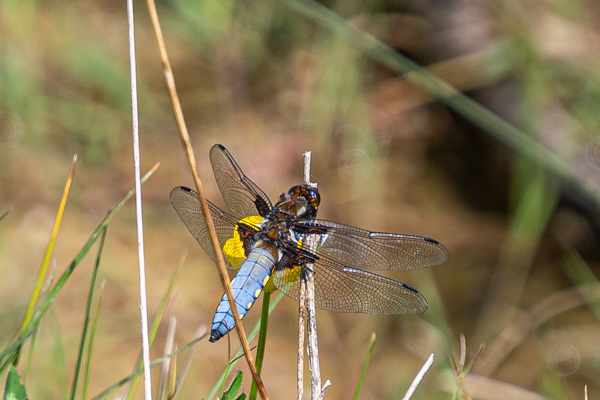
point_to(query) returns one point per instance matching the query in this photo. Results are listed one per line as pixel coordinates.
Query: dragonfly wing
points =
(344, 289)
(242, 196)
(360, 248)
(186, 203)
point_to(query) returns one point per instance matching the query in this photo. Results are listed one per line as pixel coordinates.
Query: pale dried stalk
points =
(307, 277)
(301, 337)
(135, 131)
(166, 369)
(418, 378)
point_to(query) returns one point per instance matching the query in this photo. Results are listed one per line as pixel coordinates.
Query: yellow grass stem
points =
(44, 267)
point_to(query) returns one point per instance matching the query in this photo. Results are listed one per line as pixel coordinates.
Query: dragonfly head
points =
(307, 197)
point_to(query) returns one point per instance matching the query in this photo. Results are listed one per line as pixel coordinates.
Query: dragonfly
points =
(267, 244)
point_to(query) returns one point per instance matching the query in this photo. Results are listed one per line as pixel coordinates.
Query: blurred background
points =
(269, 83)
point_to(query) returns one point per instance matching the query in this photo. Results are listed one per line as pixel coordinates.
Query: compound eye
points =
(313, 196)
(310, 193)
(295, 191)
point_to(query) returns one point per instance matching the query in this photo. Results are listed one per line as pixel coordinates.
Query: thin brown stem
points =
(185, 138)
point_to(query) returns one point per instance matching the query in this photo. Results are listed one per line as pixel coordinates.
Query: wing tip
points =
(420, 308)
(180, 190)
(444, 255)
(218, 147)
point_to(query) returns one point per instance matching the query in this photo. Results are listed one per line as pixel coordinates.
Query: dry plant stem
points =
(301, 331)
(307, 160)
(172, 377)
(170, 81)
(459, 368)
(135, 131)
(418, 378)
(313, 343)
(308, 277)
(302, 304)
(463, 352)
(166, 368)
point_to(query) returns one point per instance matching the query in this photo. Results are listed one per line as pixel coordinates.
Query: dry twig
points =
(185, 138)
(135, 131)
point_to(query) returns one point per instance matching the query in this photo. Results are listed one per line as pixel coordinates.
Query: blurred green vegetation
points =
(517, 208)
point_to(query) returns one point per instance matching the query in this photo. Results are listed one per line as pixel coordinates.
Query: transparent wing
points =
(360, 248)
(186, 203)
(343, 289)
(242, 196)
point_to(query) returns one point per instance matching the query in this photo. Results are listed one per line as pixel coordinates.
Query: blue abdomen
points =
(246, 287)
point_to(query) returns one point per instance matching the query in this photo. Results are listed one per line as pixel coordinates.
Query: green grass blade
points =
(234, 387)
(90, 345)
(262, 340)
(34, 338)
(87, 319)
(365, 366)
(518, 140)
(58, 354)
(156, 324)
(14, 389)
(10, 352)
(36, 332)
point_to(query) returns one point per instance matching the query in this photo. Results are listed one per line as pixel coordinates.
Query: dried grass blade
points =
(165, 372)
